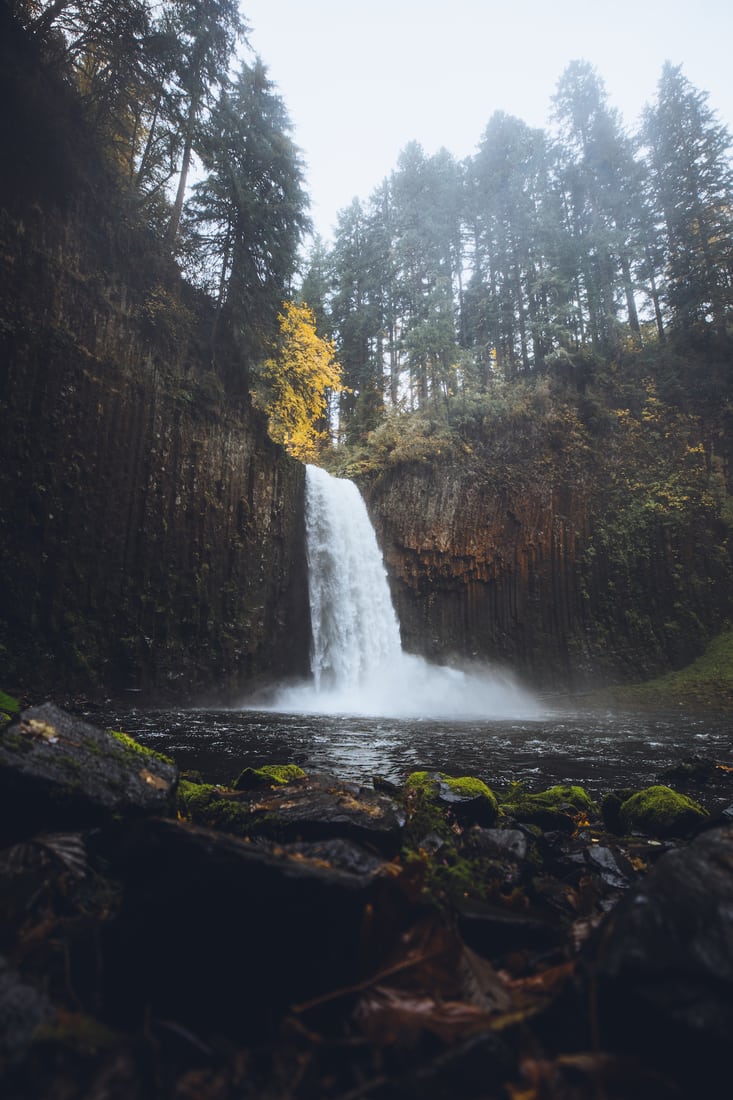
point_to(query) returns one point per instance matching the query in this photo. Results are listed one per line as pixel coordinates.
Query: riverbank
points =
(290, 935)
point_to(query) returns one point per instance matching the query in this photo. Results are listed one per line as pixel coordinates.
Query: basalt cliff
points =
(151, 535)
(555, 556)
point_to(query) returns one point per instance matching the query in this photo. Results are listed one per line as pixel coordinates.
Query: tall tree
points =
(427, 198)
(357, 319)
(510, 300)
(692, 193)
(598, 174)
(250, 210)
(206, 31)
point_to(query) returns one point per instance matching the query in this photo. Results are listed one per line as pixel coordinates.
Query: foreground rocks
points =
(297, 937)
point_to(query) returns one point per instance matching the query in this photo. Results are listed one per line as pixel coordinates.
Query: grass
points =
(707, 682)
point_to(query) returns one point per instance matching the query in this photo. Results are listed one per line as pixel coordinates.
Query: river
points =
(598, 749)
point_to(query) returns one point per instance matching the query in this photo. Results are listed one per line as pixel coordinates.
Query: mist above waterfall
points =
(357, 661)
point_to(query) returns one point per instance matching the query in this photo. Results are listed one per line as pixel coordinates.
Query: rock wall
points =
(486, 567)
(151, 535)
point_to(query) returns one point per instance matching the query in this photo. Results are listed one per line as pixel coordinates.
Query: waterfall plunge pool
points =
(599, 750)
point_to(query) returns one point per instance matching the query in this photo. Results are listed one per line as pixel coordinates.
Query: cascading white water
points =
(357, 660)
(354, 627)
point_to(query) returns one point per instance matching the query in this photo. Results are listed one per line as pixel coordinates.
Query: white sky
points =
(362, 78)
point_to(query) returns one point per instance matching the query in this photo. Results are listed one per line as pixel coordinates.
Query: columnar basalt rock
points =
(151, 534)
(502, 565)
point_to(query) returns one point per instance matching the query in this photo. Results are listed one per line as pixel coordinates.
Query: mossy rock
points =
(424, 816)
(59, 773)
(561, 808)
(469, 799)
(215, 807)
(270, 775)
(661, 812)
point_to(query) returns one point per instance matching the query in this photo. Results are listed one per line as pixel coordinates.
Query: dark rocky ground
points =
(293, 936)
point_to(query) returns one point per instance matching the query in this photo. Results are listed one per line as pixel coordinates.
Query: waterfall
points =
(353, 623)
(357, 661)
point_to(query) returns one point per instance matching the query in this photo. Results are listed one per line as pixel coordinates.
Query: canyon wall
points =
(516, 568)
(151, 535)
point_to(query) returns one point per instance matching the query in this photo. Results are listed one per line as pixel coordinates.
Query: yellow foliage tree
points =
(295, 381)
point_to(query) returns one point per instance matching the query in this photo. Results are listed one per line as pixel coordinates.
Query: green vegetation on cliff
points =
(705, 682)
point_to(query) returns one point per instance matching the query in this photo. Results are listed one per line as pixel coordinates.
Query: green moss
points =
(422, 783)
(133, 747)
(204, 804)
(420, 798)
(707, 682)
(481, 806)
(468, 786)
(660, 811)
(8, 705)
(269, 775)
(561, 807)
(195, 798)
(554, 798)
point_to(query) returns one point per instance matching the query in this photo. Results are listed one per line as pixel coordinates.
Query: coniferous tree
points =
(427, 200)
(250, 210)
(510, 291)
(597, 172)
(206, 31)
(692, 196)
(357, 318)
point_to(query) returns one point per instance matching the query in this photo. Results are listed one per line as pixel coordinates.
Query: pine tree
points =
(597, 172)
(692, 195)
(250, 210)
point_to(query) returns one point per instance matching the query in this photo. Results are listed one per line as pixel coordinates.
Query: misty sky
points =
(362, 78)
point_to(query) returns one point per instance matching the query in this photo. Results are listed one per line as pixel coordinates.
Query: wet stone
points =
(665, 964)
(59, 772)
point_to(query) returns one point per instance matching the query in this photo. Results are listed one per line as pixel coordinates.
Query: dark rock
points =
(611, 865)
(342, 855)
(611, 804)
(322, 808)
(509, 844)
(469, 800)
(23, 1011)
(223, 935)
(558, 809)
(58, 772)
(665, 958)
(270, 775)
(572, 858)
(493, 930)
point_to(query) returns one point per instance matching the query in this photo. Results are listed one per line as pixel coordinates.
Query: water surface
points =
(599, 749)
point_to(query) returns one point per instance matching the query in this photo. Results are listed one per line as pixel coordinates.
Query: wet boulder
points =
(59, 772)
(563, 808)
(469, 800)
(435, 800)
(664, 959)
(312, 808)
(659, 811)
(222, 934)
(269, 775)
